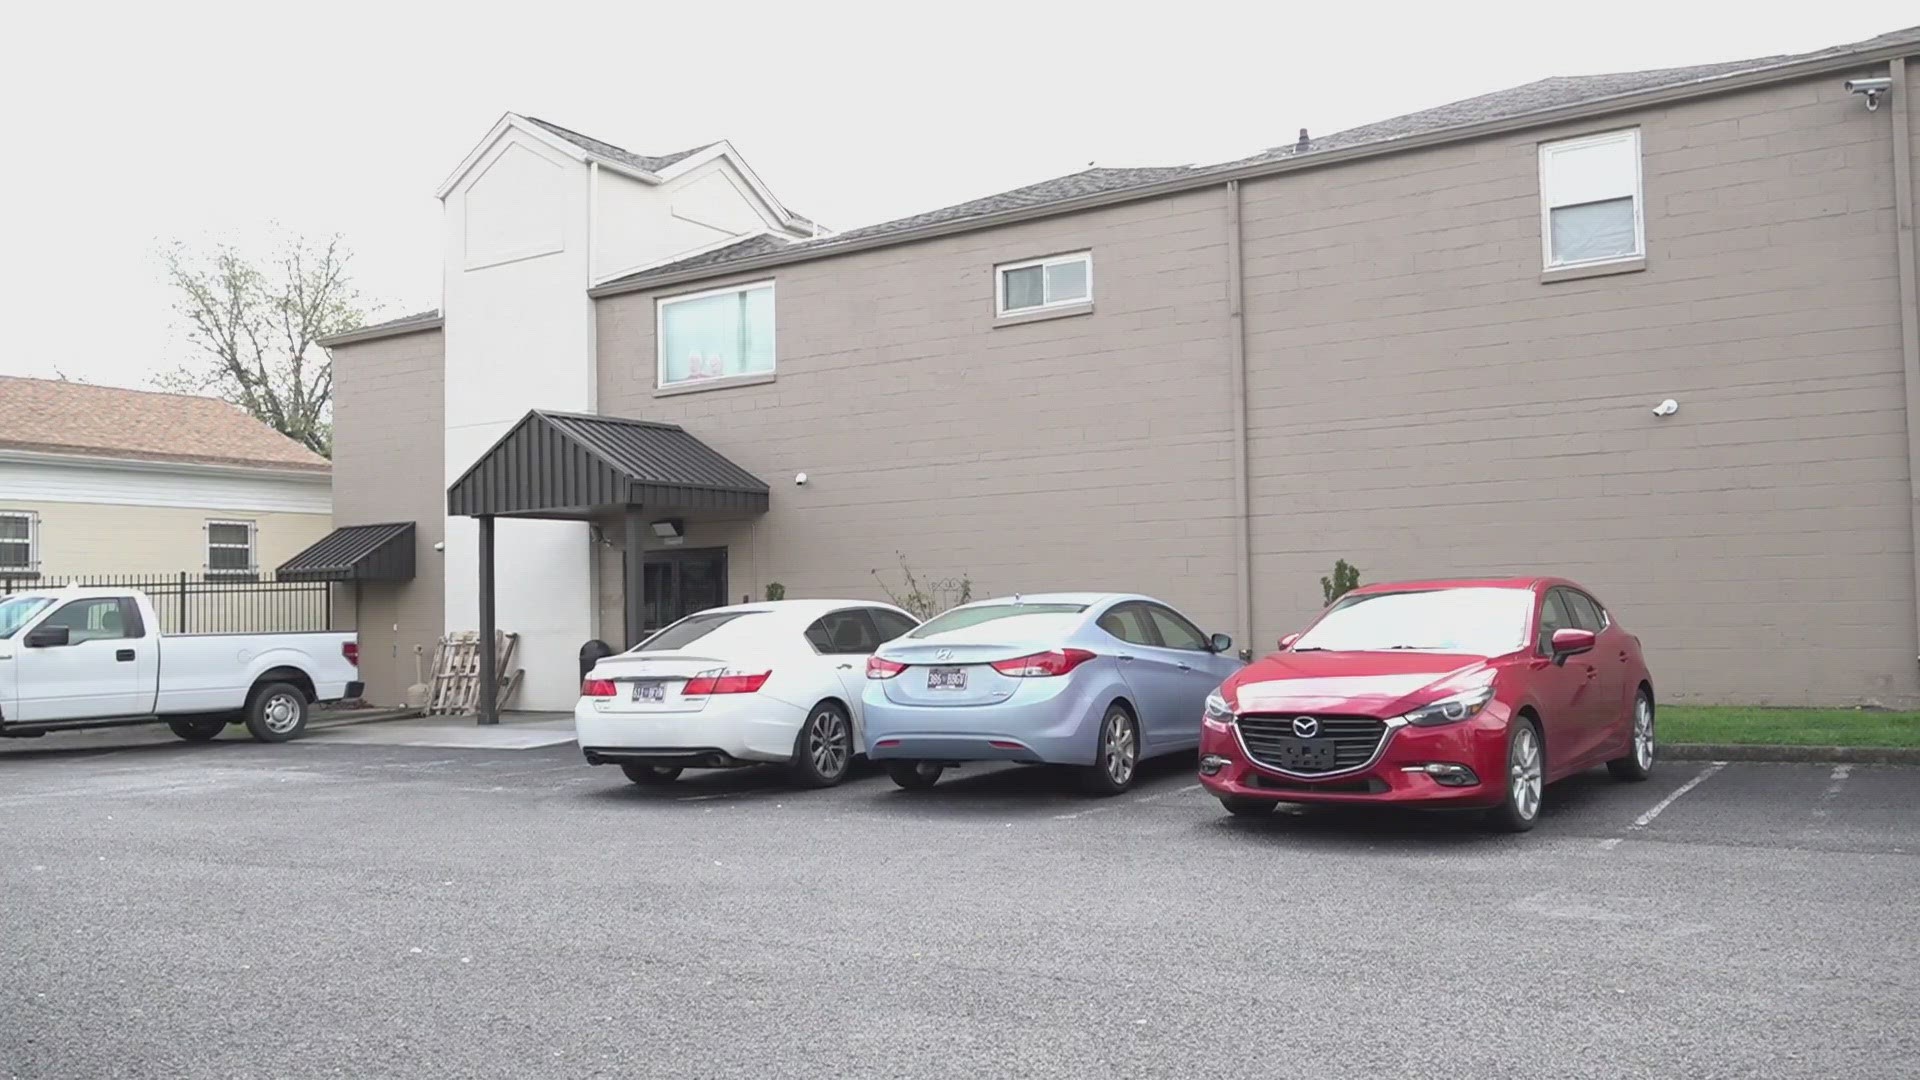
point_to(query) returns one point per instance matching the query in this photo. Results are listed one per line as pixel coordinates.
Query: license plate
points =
(1305, 755)
(650, 691)
(946, 678)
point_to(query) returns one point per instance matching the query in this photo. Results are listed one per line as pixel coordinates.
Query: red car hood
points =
(1360, 683)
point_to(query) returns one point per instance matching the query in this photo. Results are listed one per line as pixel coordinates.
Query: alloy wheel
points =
(829, 743)
(281, 713)
(1643, 732)
(1524, 772)
(1117, 749)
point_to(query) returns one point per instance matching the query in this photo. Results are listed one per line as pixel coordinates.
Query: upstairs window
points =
(230, 548)
(1038, 284)
(1590, 200)
(19, 542)
(724, 333)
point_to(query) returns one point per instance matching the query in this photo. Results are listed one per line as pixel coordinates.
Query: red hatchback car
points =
(1434, 693)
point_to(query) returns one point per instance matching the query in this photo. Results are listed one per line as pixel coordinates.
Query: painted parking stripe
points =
(1836, 782)
(1646, 819)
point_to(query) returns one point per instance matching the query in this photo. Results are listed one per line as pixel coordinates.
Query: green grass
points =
(1787, 727)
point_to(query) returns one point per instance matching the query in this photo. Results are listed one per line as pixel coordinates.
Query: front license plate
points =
(946, 678)
(650, 691)
(1306, 755)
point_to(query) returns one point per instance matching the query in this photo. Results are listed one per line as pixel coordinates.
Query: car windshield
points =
(16, 610)
(1033, 620)
(708, 625)
(1479, 621)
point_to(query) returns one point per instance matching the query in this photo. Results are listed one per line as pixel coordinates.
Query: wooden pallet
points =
(454, 687)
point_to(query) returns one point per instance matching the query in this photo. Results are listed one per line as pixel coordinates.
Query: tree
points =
(256, 326)
(1345, 579)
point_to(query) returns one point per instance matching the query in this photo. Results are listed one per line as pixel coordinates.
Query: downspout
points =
(1237, 409)
(1909, 298)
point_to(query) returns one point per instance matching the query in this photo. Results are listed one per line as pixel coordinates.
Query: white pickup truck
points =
(81, 658)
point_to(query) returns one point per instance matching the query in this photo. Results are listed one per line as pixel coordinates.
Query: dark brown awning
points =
(356, 553)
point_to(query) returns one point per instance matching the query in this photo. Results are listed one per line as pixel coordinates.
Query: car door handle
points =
(123, 655)
(1124, 658)
(1184, 666)
(1623, 656)
(846, 667)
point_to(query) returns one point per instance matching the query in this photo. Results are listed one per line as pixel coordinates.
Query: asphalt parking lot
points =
(325, 909)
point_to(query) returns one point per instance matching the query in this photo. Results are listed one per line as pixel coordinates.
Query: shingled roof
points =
(1542, 96)
(591, 145)
(59, 417)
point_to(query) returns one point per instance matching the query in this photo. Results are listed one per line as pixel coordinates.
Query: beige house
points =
(98, 480)
(1441, 344)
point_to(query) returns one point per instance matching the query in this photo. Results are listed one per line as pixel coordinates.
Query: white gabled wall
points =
(640, 225)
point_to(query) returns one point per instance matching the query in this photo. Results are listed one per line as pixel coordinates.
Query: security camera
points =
(439, 545)
(1666, 408)
(1872, 88)
(800, 479)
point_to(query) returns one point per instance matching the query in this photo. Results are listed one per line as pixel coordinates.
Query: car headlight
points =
(1449, 710)
(1217, 710)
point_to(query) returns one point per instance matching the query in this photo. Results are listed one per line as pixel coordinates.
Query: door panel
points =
(1608, 719)
(1567, 692)
(1194, 677)
(98, 674)
(1151, 671)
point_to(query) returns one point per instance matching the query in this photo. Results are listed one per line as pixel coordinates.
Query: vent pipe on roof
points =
(1301, 146)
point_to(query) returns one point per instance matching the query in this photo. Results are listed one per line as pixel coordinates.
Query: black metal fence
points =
(198, 603)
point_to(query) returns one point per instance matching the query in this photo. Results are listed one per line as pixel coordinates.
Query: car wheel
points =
(823, 751)
(1519, 809)
(1116, 756)
(651, 774)
(277, 712)
(1241, 806)
(915, 775)
(196, 728)
(1638, 763)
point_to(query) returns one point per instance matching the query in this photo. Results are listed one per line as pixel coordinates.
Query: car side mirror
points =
(49, 637)
(1569, 641)
(1220, 643)
(1287, 642)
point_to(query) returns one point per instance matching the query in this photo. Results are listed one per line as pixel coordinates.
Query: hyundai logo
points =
(943, 654)
(1306, 726)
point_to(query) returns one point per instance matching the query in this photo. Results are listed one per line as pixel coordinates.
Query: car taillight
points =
(703, 685)
(598, 688)
(1054, 662)
(883, 669)
(351, 650)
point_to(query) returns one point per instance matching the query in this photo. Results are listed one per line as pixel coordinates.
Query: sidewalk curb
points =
(1863, 755)
(317, 723)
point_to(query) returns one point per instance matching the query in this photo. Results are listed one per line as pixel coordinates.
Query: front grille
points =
(1354, 739)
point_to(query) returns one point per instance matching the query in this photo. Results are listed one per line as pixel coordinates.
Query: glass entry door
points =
(682, 582)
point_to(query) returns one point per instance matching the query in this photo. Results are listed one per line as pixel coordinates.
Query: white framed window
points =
(718, 334)
(1038, 284)
(19, 542)
(1591, 208)
(230, 548)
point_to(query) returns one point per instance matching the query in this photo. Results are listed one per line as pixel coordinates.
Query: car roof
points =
(1462, 583)
(1088, 599)
(799, 609)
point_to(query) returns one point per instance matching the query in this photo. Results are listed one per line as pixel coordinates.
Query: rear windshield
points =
(1044, 617)
(693, 628)
(16, 610)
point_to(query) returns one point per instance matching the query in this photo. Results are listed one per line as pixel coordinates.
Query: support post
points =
(489, 705)
(635, 558)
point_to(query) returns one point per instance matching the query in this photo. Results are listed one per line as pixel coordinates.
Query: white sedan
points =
(748, 684)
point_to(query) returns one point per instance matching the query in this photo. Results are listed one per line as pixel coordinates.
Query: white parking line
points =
(1839, 779)
(1646, 819)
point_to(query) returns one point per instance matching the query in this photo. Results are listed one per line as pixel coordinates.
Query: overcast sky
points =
(198, 122)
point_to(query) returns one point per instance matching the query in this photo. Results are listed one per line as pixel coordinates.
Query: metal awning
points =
(356, 553)
(566, 465)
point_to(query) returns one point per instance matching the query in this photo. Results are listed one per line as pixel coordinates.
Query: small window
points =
(1590, 204)
(891, 623)
(1553, 616)
(1176, 632)
(100, 619)
(1129, 623)
(844, 633)
(1057, 281)
(1586, 613)
(19, 542)
(230, 548)
(726, 333)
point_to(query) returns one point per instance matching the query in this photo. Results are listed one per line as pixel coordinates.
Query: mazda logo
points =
(1306, 726)
(943, 654)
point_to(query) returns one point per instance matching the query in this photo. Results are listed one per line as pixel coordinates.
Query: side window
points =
(842, 633)
(1553, 616)
(1128, 622)
(1586, 614)
(1176, 632)
(891, 624)
(98, 619)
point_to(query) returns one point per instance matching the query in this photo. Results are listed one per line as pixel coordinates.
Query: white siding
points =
(81, 480)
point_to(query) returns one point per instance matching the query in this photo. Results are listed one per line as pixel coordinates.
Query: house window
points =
(230, 547)
(720, 334)
(1055, 281)
(1590, 204)
(19, 542)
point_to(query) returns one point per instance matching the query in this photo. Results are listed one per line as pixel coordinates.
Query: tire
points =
(1241, 806)
(823, 749)
(1116, 755)
(277, 712)
(915, 775)
(1519, 808)
(197, 728)
(651, 774)
(1638, 762)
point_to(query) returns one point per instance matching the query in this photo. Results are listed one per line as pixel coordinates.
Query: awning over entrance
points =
(356, 553)
(562, 465)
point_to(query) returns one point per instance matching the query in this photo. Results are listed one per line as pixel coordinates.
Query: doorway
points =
(681, 582)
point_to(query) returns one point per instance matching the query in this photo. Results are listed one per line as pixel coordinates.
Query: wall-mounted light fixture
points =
(670, 530)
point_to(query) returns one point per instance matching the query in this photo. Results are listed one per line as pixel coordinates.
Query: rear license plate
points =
(946, 678)
(650, 691)
(1305, 755)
